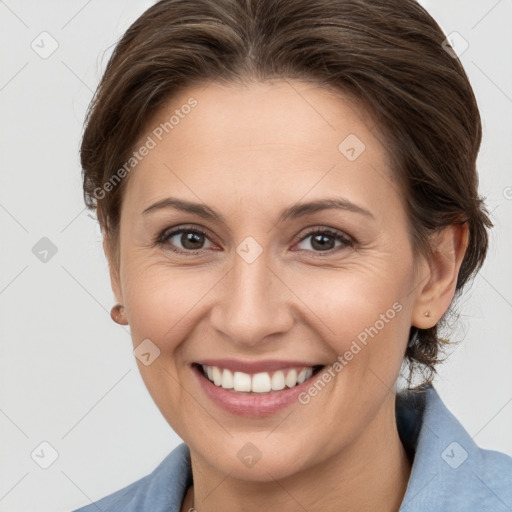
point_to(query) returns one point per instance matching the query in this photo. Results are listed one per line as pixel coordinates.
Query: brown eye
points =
(325, 240)
(185, 240)
(192, 241)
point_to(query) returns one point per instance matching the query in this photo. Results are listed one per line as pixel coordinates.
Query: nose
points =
(253, 304)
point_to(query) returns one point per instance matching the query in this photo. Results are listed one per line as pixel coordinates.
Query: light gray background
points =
(67, 372)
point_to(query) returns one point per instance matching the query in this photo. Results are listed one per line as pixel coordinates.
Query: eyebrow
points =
(295, 211)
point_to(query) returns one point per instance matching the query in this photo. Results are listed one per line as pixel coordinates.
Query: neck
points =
(371, 474)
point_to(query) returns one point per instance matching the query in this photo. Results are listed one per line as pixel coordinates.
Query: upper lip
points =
(267, 365)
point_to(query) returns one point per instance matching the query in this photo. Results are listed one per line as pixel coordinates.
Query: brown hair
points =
(389, 54)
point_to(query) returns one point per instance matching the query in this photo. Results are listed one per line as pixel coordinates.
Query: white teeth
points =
(217, 377)
(291, 378)
(278, 381)
(227, 379)
(258, 383)
(261, 383)
(242, 382)
(304, 375)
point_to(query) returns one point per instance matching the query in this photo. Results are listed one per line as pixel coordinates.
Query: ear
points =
(115, 281)
(449, 248)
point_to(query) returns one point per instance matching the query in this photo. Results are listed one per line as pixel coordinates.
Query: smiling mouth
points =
(262, 382)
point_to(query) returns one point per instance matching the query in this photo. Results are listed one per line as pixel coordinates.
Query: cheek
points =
(348, 300)
(362, 313)
(163, 302)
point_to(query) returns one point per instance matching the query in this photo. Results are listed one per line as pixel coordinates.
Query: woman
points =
(288, 196)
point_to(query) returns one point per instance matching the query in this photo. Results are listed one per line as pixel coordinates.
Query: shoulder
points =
(162, 490)
(450, 471)
(495, 472)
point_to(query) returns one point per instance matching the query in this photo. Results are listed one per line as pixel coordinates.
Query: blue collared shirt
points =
(450, 473)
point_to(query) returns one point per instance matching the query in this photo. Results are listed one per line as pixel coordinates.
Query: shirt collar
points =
(449, 471)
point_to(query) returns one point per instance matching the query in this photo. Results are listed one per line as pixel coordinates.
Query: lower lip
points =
(251, 404)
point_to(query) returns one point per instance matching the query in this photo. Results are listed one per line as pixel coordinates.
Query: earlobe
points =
(117, 314)
(449, 248)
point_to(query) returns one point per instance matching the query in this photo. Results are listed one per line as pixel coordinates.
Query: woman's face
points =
(273, 284)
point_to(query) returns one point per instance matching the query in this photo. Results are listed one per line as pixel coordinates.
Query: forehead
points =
(267, 137)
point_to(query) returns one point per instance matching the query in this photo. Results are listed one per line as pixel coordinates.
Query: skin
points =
(248, 152)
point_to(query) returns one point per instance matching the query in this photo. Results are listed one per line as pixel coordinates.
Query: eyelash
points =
(347, 242)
